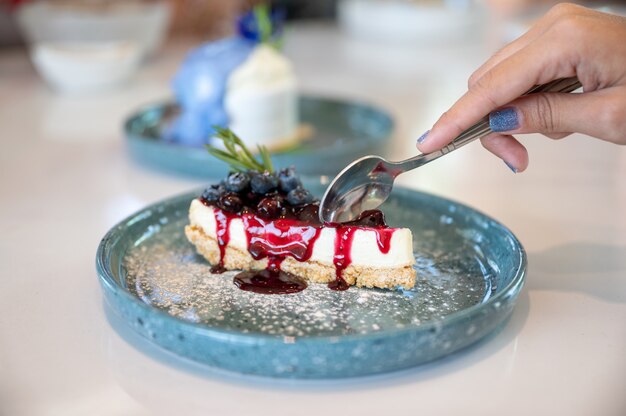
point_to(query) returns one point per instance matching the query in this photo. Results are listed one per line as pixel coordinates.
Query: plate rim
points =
(105, 276)
(170, 102)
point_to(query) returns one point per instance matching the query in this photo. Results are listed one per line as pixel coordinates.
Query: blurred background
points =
(213, 18)
(411, 58)
(146, 24)
(73, 74)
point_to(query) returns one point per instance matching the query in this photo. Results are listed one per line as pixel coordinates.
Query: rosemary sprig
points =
(237, 154)
(264, 22)
(263, 17)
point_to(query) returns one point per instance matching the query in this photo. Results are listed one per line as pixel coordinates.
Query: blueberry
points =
(212, 193)
(237, 182)
(308, 213)
(263, 183)
(288, 180)
(299, 196)
(250, 198)
(270, 208)
(230, 202)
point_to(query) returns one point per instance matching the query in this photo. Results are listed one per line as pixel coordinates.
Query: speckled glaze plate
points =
(470, 271)
(341, 132)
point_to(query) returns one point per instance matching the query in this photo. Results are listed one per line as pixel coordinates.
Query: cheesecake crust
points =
(314, 272)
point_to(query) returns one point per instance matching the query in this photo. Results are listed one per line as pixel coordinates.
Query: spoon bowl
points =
(364, 184)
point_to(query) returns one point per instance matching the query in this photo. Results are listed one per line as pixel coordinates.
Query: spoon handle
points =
(481, 128)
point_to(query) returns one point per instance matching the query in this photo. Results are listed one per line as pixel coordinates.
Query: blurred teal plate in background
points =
(342, 132)
(470, 272)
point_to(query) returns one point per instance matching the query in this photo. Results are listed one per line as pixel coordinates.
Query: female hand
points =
(568, 41)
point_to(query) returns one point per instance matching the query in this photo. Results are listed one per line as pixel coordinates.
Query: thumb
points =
(551, 113)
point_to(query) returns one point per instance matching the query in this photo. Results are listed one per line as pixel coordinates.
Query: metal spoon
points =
(367, 182)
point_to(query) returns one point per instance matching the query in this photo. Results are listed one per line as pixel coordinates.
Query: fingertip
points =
(519, 165)
(510, 166)
(425, 143)
(517, 157)
(523, 161)
(507, 148)
(422, 138)
(440, 135)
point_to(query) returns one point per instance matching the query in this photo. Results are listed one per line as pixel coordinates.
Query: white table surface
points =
(66, 178)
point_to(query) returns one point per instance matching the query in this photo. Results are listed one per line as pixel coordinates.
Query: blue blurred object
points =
(248, 27)
(200, 85)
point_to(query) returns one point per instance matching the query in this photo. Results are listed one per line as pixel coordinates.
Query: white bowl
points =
(144, 23)
(85, 67)
(402, 21)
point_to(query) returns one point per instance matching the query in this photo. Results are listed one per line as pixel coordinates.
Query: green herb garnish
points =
(237, 154)
(263, 18)
(264, 22)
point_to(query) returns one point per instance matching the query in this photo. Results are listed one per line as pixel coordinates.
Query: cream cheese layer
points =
(365, 249)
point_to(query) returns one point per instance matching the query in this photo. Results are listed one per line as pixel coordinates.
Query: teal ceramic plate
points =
(342, 132)
(470, 271)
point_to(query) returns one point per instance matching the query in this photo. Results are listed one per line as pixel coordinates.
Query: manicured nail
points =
(504, 119)
(513, 168)
(423, 137)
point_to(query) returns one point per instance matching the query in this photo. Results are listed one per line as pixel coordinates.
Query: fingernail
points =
(504, 119)
(423, 137)
(513, 168)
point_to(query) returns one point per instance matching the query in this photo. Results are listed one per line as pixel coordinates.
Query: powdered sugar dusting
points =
(164, 271)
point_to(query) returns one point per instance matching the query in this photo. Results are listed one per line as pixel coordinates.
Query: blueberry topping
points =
(230, 202)
(299, 196)
(288, 180)
(237, 182)
(251, 198)
(270, 208)
(263, 183)
(212, 193)
(268, 195)
(308, 213)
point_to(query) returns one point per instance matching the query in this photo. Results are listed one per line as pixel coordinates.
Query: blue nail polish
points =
(513, 168)
(423, 137)
(504, 119)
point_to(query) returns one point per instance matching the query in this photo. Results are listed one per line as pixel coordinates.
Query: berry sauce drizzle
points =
(280, 238)
(342, 258)
(381, 168)
(384, 241)
(270, 281)
(222, 222)
(295, 237)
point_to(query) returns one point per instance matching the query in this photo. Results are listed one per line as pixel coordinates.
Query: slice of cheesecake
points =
(266, 224)
(341, 255)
